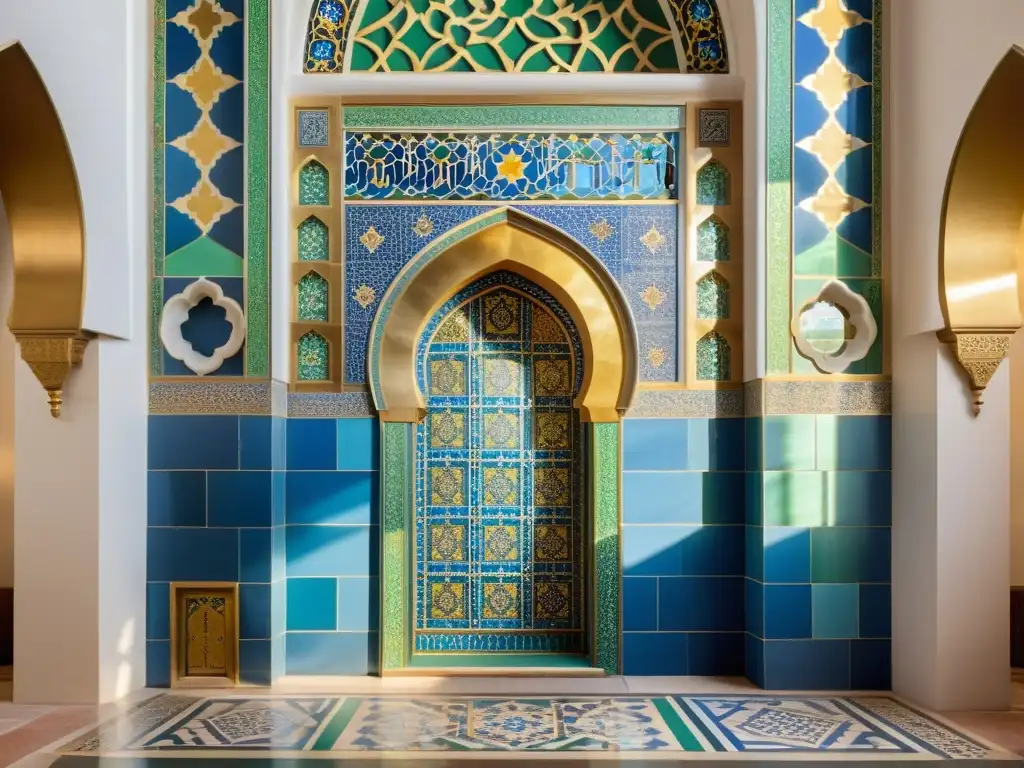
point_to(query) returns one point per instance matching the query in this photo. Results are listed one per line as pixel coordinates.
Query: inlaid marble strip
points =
(257, 257)
(607, 560)
(397, 497)
(504, 117)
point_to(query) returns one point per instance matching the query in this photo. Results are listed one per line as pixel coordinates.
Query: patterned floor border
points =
(681, 727)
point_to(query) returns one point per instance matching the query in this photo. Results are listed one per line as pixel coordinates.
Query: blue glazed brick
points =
(854, 442)
(654, 653)
(753, 498)
(754, 432)
(654, 444)
(787, 611)
(325, 550)
(753, 666)
(726, 444)
(848, 555)
(254, 555)
(254, 611)
(331, 653)
(716, 654)
(715, 550)
(753, 545)
(861, 498)
(789, 442)
(358, 603)
(279, 506)
(193, 442)
(312, 444)
(835, 608)
(701, 604)
(787, 555)
(176, 498)
(682, 550)
(278, 443)
(192, 554)
(239, 499)
(255, 442)
(312, 604)
(158, 663)
(871, 665)
(158, 611)
(753, 607)
(807, 665)
(639, 604)
(358, 444)
(711, 498)
(254, 662)
(347, 498)
(875, 610)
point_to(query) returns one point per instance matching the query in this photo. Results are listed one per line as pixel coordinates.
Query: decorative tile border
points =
(607, 552)
(435, 118)
(843, 398)
(251, 398)
(257, 255)
(338, 405)
(396, 493)
(687, 403)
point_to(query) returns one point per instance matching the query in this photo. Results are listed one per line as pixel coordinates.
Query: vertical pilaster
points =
(608, 561)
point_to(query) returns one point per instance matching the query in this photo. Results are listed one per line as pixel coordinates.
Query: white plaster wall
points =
(950, 469)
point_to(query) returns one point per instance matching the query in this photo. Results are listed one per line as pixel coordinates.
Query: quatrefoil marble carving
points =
(835, 329)
(176, 313)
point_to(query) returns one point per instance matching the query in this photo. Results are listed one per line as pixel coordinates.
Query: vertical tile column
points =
(278, 561)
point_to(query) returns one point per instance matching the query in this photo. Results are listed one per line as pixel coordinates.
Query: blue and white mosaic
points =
(314, 128)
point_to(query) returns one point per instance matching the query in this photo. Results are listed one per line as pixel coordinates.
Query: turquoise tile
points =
(331, 653)
(787, 555)
(861, 498)
(158, 663)
(854, 442)
(807, 665)
(337, 498)
(753, 543)
(192, 554)
(850, 555)
(752, 444)
(193, 442)
(239, 499)
(255, 446)
(176, 498)
(358, 444)
(753, 606)
(753, 497)
(654, 444)
(753, 661)
(254, 662)
(358, 601)
(701, 604)
(655, 653)
(787, 611)
(639, 604)
(835, 611)
(158, 610)
(681, 498)
(789, 442)
(715, 654)
(254, 611)
(254, 554)
(796, 498)
(875, 610)
(312, 444)
(312, 604)
(331, 550)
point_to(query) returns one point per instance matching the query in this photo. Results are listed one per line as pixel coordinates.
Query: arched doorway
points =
(499, 518)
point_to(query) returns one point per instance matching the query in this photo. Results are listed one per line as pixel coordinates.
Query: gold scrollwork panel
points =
(982, 240)
(44, 213)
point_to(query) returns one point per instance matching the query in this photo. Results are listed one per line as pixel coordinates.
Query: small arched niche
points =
(714, 358)
(314, 184)
(314, 240)
(313, 353)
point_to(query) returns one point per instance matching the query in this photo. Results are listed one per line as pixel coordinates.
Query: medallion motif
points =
(547, 330)
(652, 296)
(501, 601)
(501, 377)
(447, 377)
(447, 430)
(447, 487)
(656, 357)
(551, 543)
(371, 239)
(551, 487)
(551, 601)
(501, 542)
(552, 431)
(653, 240)
(364, 296)
(551, 377)
(601, 229)
(454, 330)
(423, 226)
(501, 487)
(501, 315)
(501, 430)
(447, 542)
(447, 601)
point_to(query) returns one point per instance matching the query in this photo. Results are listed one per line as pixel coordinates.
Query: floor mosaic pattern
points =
(678, 726)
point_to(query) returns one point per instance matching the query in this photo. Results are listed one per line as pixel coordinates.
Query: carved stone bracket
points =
(51, 359)
(979, 354)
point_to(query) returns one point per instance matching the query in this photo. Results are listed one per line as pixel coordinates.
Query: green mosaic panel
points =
(714, 361)
(314, 184)
(712, 297)
(608, 561)
(313, 298)
(257, 142)
(713, 240)
(877, 156)
(397, 500)
(314, 357)
(502, 117)
(314, 240)
(714, 184)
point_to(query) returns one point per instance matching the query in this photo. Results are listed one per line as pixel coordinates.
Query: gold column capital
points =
(979, 352)
(51, 358)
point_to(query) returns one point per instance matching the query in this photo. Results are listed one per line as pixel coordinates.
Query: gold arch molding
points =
(982, 238)
(44, 213)
(505, 240)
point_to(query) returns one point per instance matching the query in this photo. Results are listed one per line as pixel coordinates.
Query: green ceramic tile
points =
(796, 498)
(834, 611)
(789, 442)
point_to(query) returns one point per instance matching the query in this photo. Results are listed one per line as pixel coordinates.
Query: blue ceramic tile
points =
(279, 497)
(682, 550)
(875, 610)
(656, 444)
(639, 604)
(358, 444)
(865, 8)
(753, 600)
(808, 113)
(861, 498)
(682, 497)
(871, 665)
(789, 442)
(158, 611)
(807, 665)
(193, 442)
(848, 555)
(787, 611)
(254, 662)
(254, 553)
(701, 604)
(654, 653)
(753, 497)
(787, 555)
(181, 115)
(715, 550)
(312, 604)
(810, 231)
(180, 171)
(331, 497)
(809, 51)
(856, 50)
(725, 443)
(228, 114)
(279, 442)
(312, 444)
(325, 550)
(253, 611)
(176, 498)
(855, 174)
(182, 50)
(179, 231)
(254, 437)
(753, 548)
(753, 667)
(192, 554)
(800, 7)
(716, 654)
(239, 499)
(854, 442)
(158, 663)
(331, 653)
(808, 176)
(358, 603)
(855, 114)
(278, 559)
(753, 435)
(835, 611)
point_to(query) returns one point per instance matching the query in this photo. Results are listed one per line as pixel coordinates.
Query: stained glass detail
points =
(713, 297)
(506, 166)
(314, 240)
(714, 185)
(499, 534)
(713, 358)
(328, 35)
(713, 240)
(314, 184)
(313, 358)
(313, 298)
(702, 34)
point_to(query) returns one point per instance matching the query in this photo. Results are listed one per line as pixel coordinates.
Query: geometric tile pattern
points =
(761, 727)
(498, 521)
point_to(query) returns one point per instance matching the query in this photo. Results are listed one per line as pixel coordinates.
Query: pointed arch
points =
(505, 239)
